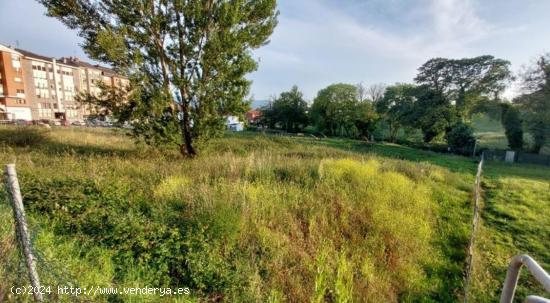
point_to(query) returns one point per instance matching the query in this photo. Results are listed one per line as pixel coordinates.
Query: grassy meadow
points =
(515, 220)
(259, 218)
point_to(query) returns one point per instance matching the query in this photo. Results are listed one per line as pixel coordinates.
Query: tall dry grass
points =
(253, 219)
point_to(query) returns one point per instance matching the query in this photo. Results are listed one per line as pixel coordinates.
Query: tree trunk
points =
(393, 132)
(186, 149)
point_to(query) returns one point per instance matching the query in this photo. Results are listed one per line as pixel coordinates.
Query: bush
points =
(512, 123)
(461, 137)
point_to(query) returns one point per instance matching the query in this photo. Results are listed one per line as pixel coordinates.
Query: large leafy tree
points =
(465, 82)
(365, 119)
(396, 107)
(288, 111)
(431, 113)
(333, 110)
(535, 102)
(337, 111)
(513, 125)
(188, 58)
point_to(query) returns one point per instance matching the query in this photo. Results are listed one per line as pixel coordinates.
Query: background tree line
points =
(440, 104)
(187, 61)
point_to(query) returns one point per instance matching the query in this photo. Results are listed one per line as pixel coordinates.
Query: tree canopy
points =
(464, 81)
(288, 111)
(432, 113)
(535, 102)
(513, 125)
(187, 59)
(337, 111)
(396, 107)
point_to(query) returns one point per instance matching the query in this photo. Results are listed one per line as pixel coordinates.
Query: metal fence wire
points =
(475, 219)
(29, 262)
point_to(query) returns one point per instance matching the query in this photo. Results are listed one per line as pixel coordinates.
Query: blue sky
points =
(319, 42)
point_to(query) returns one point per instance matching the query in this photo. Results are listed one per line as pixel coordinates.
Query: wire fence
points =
(517, 157)
(475, 219)
(23, 263)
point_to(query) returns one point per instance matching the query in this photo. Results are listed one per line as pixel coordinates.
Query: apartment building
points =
(13, 101)
(51, 88)
(37, 87)
(91, 75)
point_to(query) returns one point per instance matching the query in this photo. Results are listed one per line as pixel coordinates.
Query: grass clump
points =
(381, 221)
(22, 136)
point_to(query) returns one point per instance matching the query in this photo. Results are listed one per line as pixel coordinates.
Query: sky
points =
(320, 42)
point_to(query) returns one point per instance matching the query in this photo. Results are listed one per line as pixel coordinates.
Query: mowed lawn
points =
(260, 218)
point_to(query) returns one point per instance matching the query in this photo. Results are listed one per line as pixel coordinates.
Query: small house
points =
(233, 124)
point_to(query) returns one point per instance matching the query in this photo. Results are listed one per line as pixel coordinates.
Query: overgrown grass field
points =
(260, 218)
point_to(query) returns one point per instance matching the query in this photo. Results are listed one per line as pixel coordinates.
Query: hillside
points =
(261, 218)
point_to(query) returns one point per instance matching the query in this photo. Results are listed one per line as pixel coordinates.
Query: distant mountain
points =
(259, 103)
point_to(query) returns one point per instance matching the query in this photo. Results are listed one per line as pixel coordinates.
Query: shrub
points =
(461, 137)
(512, 123)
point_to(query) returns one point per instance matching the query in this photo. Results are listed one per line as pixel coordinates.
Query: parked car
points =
(23, 122)
(90, 123)
(41, 122)
(78, 123)
(55, 123)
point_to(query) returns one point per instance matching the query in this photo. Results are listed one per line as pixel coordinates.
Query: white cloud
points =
(328, 39)
(277, 58)
(457, 22)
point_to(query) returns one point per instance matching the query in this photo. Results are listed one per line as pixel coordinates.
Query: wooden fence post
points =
(14, 194)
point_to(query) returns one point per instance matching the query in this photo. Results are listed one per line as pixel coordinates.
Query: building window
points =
(16, 63)
(20, 91)
(17, 79)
